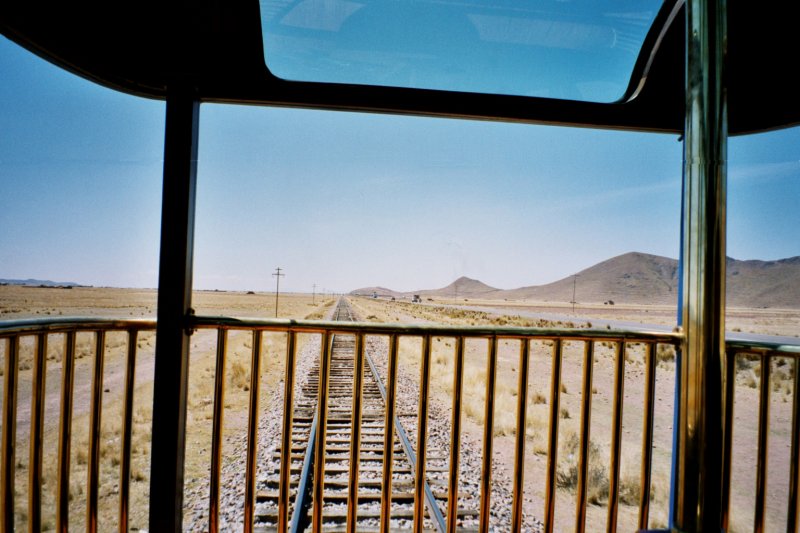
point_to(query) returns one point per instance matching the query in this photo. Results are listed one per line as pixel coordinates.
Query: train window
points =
(764, 231)
(348, 200)
(80, 168)
(568, 50)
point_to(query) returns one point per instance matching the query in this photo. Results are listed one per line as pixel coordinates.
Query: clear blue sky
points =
(350, 200)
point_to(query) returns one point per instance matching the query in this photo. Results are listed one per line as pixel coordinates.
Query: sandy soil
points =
(19, 302)
(24, 302)
(765, 321)
(745, 429)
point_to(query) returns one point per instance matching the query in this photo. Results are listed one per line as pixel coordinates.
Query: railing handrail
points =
(442, 330)
(13, 331)
(66, 324)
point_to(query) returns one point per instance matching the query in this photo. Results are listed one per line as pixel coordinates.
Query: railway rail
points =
(358, 446)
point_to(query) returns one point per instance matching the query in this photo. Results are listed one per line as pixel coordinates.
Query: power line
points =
(278, 276)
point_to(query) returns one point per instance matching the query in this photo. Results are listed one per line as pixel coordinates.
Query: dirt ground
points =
(782, 322)
(23, 302)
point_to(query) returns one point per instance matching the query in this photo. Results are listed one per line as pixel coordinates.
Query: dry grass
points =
(120, 302)
(538, 410)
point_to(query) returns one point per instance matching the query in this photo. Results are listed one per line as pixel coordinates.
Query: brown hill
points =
(631, 278)
(382, 292)
(756, 283)
(463, 287)
(644, 279)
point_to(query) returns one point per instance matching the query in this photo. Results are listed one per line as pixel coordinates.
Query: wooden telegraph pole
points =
(278, 276)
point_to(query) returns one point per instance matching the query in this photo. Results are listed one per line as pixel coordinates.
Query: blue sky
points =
(346, 200)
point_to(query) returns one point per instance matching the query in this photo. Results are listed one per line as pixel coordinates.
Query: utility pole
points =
(574, 282)
(278, 276)
(313, 293)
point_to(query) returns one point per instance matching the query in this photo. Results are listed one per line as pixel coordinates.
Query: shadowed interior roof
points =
(215, 48)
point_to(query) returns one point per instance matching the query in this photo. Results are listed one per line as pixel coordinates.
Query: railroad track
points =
(336, 489)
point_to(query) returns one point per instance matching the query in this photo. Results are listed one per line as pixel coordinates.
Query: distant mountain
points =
(631, 278)
(39, 283)
(643, 278)
(382, 292)
(756, 283)
(462, 287)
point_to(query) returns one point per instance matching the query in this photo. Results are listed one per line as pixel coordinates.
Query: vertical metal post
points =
(552, 438)
(522, 423)
(488, 432)
(216, 432)
(65, 432)
(455, 436)
(586, 425)
(127, 433)
(286, 434)
(696, 504)
(616, 438)
(174, 303)
(355, 436)
(8, 459)
(95, 423)
(318, 485)
(647, 435)
(422, 436)
(388, 436)
(37, 434)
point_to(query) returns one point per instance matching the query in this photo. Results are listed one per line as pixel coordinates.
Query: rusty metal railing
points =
(38, 333)
(42, 332)
(764, 354)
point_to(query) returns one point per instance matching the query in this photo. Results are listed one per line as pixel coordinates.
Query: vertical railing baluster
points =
(552, 438)
(519, 452)
(647, 435)
(763, 439)
(93, 470)
(7, 474)
(388, 437)
(216, 432)
(65, 432)
(252, 434)
(9, 431)
(37, 430)
(355, 436)
(488, 432)
(318, 488)
(455, 436)
(728, 388)
(127, 430)
(616, 439)
(794, 469)
(586, 419)
(286, 434)
(422, 435)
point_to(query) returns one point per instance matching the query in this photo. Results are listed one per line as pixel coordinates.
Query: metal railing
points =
(36, 334)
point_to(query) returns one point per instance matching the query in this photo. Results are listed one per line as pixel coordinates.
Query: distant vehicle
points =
(416, 299)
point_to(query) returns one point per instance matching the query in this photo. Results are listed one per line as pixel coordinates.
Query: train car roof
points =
(217, 48)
